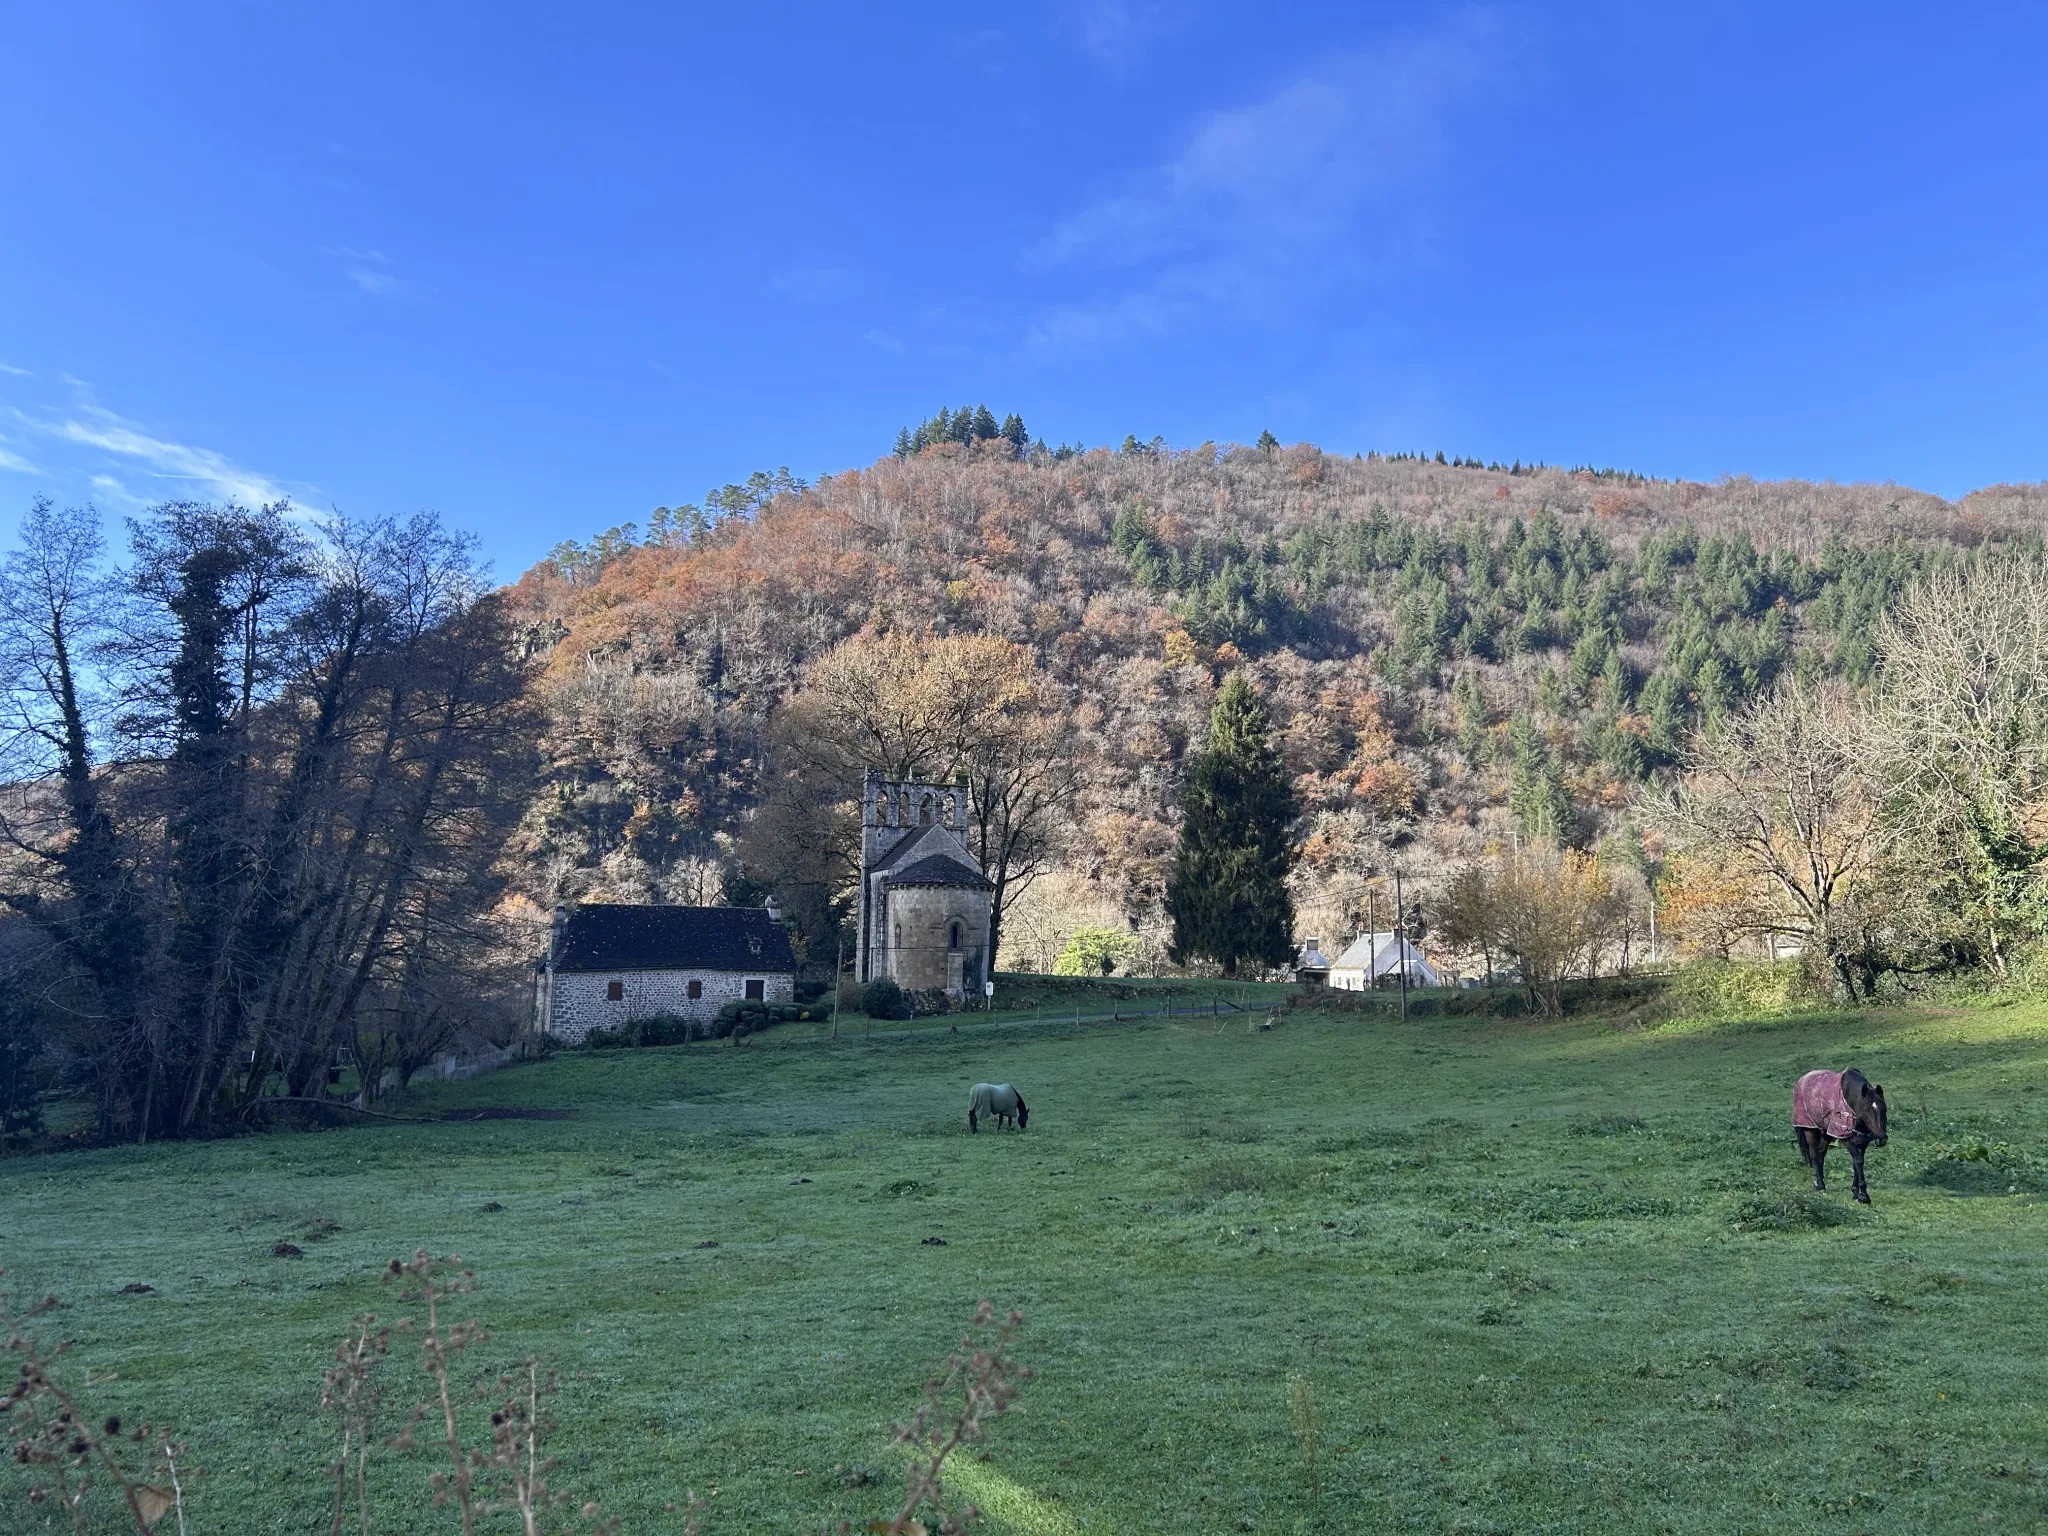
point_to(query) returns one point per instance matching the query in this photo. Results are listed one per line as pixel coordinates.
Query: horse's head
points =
(1023, 1113)
(1866, 1103)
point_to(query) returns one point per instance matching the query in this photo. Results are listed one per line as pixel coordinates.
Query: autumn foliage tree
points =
(914, 705)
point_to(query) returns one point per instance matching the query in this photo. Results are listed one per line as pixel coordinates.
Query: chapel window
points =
(952, 936)
(615, 991)
(696, 991)
(757, 990)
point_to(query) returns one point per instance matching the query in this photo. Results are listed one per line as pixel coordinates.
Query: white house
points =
(1311, 965)
(607, 965)
(1373, 958)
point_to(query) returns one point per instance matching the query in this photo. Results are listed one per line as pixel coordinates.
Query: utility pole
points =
(838, 970)
(1371, 934)
(1401, 939)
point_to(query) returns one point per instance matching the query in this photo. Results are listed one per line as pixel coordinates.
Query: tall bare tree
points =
(921, 706)
(1777, 795)
(1959, 739)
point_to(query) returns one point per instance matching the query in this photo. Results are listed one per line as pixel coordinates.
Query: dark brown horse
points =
(1838, 1106)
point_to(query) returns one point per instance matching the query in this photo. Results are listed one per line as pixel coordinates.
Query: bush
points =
(1096, 952)
(1717, 989)
(654, 1029)
(810, 988)
(883, 999)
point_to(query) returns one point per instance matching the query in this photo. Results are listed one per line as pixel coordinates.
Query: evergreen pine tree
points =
(1228, 893)
(1267, 441)
(903, 443)
(1013, 429)
(985, 424)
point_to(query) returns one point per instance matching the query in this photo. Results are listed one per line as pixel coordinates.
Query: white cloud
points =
(1117, 33)
(1266, 202)
(213, 475)
(808, 285)
(371, 272)
(17, 464)
(19, 373)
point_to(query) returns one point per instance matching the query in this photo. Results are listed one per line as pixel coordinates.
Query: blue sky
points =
(544, 268)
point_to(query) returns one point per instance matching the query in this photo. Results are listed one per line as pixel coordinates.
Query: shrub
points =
(926, 1000)
(1715, 989)
(24, 1070)
(1095, 952)
(883, 999)
(654, 1029)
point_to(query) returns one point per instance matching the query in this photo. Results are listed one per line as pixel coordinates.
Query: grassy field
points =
(1536, 1278)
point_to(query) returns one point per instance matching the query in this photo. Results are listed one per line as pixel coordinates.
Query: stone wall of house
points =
(920, 956)
(577, 1003)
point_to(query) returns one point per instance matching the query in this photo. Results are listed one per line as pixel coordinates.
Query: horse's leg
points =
(1820, 1160)
(1857, 1187)
(1804, 1141)
(973, 1128)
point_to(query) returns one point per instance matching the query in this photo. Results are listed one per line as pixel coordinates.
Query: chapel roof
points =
(940, 869)
(620, 937)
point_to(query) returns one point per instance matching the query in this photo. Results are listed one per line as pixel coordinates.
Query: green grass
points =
(1539, 1278)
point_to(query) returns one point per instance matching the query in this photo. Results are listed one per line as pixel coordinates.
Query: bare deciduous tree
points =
(1959, 739)
(1776, 796)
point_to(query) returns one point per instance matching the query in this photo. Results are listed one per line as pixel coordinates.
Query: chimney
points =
(774, 912)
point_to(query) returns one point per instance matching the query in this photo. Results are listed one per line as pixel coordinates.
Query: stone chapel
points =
(924, 902)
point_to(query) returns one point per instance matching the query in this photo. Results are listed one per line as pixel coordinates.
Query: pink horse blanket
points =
(1818, 1105)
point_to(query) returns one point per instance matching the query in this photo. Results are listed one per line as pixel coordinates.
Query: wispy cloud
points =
(19, 373)
(212, 475)
(16, 464)
(1268, 202)
(808, 285)
(1117, 34)
(371, 272)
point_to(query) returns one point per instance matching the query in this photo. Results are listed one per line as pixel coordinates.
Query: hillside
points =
(1451, 651)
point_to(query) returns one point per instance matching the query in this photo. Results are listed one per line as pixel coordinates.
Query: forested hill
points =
(1450, 651)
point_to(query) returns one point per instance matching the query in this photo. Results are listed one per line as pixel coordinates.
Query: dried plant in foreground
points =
(48, 1427)
(987, 1379)
(1308, 1434)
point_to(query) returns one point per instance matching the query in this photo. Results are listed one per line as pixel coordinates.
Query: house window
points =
(615, 991)
(696, 990)
(756, 991)
(952, 936)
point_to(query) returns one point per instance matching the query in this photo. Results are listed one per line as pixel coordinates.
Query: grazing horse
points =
(998, 1099)
(1838, 1106)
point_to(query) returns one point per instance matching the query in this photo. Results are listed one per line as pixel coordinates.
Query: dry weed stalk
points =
(987, 1380)
(1308, 1434)
(48, 1427)
(349, 1390)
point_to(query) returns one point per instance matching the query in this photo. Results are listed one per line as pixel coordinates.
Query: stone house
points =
(609, 964)
(922, 912)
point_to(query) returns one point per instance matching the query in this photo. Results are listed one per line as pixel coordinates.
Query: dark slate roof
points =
(626, 938)
(937, 869)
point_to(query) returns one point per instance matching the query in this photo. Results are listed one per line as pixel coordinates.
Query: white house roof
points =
(1373, 955)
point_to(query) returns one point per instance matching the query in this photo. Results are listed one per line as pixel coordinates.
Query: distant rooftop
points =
(618, 937)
